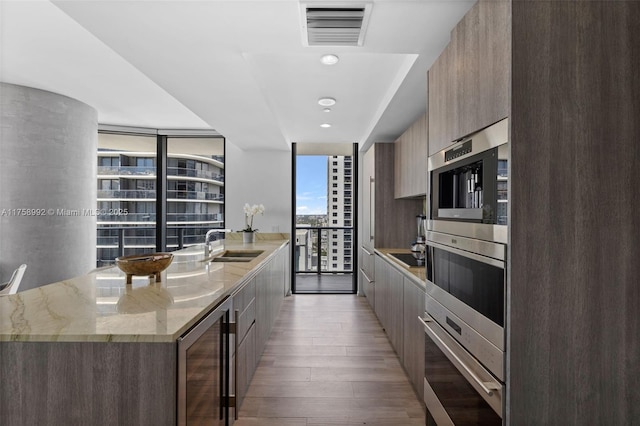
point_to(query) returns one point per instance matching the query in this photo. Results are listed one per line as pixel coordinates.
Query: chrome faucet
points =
(210, 232)
(208, 235)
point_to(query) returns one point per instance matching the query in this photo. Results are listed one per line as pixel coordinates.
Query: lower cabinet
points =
(389, 301)
(413, 360)
(369, 287)
(244, 304)
(245, 364)
(256, 306)
(368, 274)
(399, 300)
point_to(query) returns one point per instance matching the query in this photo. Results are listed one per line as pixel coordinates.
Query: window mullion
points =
(161, 193)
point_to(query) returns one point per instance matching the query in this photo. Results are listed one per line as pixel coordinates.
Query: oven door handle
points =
(470, 255)
(487, 387)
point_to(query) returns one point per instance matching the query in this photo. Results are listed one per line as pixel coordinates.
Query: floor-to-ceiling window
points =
(325, 220)
(132, 213)
(195, 189)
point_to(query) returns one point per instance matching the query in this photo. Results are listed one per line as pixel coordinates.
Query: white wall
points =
(48, 167)
(258, 177)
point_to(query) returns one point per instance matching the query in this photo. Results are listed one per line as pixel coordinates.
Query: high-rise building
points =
(339, 214)
(127, 195)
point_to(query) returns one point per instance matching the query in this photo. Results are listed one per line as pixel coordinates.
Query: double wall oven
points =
(465, 258)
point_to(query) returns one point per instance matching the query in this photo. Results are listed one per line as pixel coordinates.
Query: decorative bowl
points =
(144, 264)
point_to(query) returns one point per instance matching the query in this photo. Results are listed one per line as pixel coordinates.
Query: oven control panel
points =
(458, 151)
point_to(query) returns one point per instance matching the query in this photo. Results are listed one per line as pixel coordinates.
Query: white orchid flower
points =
(249, 213)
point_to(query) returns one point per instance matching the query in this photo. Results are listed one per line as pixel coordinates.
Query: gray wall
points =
(48, 146)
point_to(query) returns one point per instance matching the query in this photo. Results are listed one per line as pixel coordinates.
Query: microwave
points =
(469, 186)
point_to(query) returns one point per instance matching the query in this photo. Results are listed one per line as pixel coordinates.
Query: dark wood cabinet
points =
(410, 172)
(387, 221)
(494, 63)
(469, 82)
(244, 305)
(256, 305)
(245, 364)
(271, 284)
(88, 383)
(465, 61)
(440, 108)
(398, 303)
(575, 230)
(413, 332)
(389, 303)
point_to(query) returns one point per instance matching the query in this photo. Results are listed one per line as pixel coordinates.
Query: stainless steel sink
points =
(237, 256)
(231, 259)
(242, 253)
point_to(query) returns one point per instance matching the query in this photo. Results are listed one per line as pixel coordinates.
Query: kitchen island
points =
(94, 350)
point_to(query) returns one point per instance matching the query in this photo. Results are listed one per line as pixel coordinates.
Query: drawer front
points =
(245, 296)
(245, 319)
(368, 263)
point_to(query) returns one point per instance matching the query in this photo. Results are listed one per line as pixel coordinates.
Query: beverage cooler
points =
(204, 368)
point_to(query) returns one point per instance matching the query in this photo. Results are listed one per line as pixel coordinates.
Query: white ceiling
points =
(239, 67)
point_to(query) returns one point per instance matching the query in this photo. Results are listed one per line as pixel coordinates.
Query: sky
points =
(311, 184)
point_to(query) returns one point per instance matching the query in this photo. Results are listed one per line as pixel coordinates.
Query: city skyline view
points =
(311, 185)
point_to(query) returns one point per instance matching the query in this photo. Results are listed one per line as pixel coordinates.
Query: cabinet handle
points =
(236, 317)
(365, 275)
(372, 206)
(366, 251)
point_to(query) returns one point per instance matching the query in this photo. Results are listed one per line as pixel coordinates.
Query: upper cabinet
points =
(386, 221)
(410, 171)
(469, 82)
(441, 102)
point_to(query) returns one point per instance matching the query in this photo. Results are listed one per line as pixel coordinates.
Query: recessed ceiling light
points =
(327, 102)
(330, 59)
(325, 125)
(327, 110)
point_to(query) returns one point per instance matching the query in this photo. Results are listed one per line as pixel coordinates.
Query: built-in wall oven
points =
(466, 286)
(469, 186)
(464, 323)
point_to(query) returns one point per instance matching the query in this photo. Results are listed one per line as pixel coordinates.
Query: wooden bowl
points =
(144, 264)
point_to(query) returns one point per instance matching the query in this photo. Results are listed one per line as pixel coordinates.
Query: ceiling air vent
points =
(335, 26)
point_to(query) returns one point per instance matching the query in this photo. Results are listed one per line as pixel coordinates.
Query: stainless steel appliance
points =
(458, 390)
(464, 323)
(204, 370)
(421, 226)
(469, 186)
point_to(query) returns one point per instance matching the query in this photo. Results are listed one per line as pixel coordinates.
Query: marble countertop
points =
(417, 273)
(100, 307)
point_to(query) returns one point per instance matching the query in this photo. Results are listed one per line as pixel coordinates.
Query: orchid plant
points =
(249, 213)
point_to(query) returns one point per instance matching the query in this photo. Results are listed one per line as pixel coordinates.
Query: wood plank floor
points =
(328, 362)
